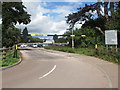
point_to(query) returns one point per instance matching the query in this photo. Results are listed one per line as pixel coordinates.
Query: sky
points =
(49, 17)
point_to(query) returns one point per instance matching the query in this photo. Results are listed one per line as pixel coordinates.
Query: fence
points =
(8, 52)
(110, 53)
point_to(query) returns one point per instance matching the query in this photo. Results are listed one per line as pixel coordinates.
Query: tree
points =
(35, 40)
(11, 36)
(25, 35)
(12, 13)
(109, 19)
(61, 40)
(0, 10)
(55, 37)
(0, 35)
(87, 14)
(114, 20)
(88, 41)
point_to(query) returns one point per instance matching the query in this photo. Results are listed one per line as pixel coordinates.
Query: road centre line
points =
(48, 72)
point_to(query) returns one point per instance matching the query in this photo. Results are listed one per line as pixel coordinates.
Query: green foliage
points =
(0, 35)
(35, 39)
(25, 35)
(103, 21)
(0, 10)
(11, 36)
(12, 13)
(114, 21)
(55, 37)
(25, 32)
(61, 40)
(92, 37)
(9, 60)
(94, 26)
(81, 15)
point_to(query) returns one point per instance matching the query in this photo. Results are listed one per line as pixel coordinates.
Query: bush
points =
(9, 60)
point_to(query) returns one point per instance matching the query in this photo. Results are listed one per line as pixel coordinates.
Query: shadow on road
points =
(24, 49)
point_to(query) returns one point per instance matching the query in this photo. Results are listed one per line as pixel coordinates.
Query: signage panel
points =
(111, 37)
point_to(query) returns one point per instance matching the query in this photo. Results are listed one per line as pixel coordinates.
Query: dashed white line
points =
(48, 72)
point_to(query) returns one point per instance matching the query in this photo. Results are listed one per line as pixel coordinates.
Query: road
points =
(42, 68)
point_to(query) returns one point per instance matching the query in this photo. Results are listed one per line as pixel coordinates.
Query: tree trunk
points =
(119, 7)
(98, 8)
(111, 8)
(106, 9)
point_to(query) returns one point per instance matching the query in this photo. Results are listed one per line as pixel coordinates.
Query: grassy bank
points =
(9, 59)
(100, 53)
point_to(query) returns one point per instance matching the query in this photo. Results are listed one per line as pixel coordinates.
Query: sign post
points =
(111, 38)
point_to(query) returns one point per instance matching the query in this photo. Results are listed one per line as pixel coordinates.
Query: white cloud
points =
(41, 24)
(78, 24)
(45, 25)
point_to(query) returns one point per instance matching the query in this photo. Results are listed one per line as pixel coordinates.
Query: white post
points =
(116, 48)
(107, 47)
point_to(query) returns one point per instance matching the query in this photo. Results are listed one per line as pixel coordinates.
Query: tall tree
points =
(11, 36)
(85, 14)
(25, 32)
(55, 37)
(0, 10)
(25, 35)
(12, 13)
(0, 35)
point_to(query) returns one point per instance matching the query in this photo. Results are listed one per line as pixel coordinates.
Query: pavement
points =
(43, 68)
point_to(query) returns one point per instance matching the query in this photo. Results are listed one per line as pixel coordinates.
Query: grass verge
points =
(112, 57)
(9, 59)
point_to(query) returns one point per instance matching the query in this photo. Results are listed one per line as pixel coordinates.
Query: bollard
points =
(15, 51)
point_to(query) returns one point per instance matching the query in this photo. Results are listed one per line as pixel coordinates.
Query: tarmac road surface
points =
(43, 68)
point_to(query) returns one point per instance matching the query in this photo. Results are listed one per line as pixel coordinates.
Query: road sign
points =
(111, 37)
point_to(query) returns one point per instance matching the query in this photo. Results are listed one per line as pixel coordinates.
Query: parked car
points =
(23, 45)
(40, 45)
(45, 45)
(35, 45)
(30, 45)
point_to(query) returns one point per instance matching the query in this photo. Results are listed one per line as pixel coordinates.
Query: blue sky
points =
(49, 17)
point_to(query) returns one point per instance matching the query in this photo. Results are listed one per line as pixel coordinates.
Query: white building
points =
(49, 41)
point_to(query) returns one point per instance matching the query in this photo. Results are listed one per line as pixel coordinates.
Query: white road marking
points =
(48, 72)
(105, 73)
(107, 76)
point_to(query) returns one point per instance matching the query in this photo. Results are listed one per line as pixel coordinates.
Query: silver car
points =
(35, 45)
